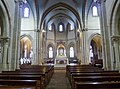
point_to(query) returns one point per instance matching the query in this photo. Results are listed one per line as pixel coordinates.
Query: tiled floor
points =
(59, 80)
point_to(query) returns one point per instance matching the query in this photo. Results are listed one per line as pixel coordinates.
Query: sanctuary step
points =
(60, 66)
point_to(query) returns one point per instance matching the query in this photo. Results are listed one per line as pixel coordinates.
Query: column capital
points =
(115, 38)
(21, 2)
(85, 29)
(100, 1)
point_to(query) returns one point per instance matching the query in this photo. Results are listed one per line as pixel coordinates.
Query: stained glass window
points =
(61, 28)
(95, 11)
(71, 52)
(50, 52)
(50, 28)
(26, 12)
(71, 27)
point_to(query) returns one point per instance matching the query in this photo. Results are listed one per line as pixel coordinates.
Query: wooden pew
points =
(48, 69)
(23, 77)
(16, 87)
(95, 79)
(81, 68)
(19, 84)
(97, 85)
(45, 71)
(91, 74)
(26, 75)
(88, 70)
(83, 71)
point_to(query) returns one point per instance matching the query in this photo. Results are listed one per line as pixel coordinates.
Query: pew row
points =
(97, 85)
(88, 73)
(41, 73)
(19, 84)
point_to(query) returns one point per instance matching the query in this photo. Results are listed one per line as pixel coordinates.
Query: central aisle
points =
(59, 80)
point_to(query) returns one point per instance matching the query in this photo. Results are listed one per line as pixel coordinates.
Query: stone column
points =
(80, 46)
(5, 54)
(116, 51)
(85, 58)
(105, 35)
(37, 61)
(15, 36)
(40, 60)
(39, 46)
(19, 13)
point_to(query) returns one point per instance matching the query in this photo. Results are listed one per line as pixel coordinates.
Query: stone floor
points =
(59, 80)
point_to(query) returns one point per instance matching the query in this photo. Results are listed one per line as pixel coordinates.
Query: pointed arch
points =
(60, 27)
(25, 44)
(61, 4)
(71, 49)
(26, 12)
(95, 47)
(94, 11)
(71, 52)
(50, 51)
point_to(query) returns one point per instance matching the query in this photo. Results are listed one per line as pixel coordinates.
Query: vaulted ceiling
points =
(72, 11)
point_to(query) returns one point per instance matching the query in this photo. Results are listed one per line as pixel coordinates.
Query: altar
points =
(61, 57)
(61, 60)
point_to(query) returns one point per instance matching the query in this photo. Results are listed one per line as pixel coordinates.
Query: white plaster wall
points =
(91, 32)
(28, 23)
(93, 21)
(61, 35)
(50, 35)
(71, 35)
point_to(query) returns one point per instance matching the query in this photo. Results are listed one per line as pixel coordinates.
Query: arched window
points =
(95, 11)
(50, 52)
(71, 27)
(50, 28)
(61, 28)
(71, 52)
(26, 12)
(91, 52)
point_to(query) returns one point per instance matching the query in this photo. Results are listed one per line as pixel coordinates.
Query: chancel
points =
(59, 44)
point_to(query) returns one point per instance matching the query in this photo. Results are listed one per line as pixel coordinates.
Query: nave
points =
(70, 77)
(59, 80)
(38, 35)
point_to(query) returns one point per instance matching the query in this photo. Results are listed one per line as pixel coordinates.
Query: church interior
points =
(59, 44)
